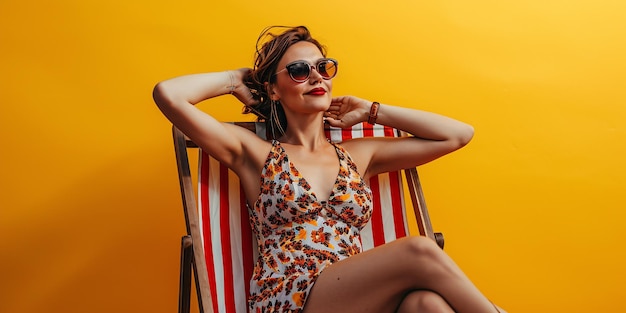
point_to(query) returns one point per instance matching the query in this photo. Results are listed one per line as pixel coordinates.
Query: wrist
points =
(230, 83)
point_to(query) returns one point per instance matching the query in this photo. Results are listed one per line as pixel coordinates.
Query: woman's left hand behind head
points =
(346, 111)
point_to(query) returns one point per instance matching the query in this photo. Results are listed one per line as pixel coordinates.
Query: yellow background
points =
(532, 209)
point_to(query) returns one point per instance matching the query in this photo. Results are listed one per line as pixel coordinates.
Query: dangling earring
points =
(275, 120)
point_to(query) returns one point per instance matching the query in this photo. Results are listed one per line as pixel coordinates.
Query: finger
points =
(333, 109)
(333, 122)
(336, 100)
(336, 105)
(247, 99)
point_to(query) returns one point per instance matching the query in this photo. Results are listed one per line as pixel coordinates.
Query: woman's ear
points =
(271, 91)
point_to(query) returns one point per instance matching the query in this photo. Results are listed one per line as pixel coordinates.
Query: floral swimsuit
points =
(298, 235)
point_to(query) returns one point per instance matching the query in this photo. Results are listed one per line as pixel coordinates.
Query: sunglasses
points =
(299, 71)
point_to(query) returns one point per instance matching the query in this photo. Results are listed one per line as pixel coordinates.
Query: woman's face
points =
(311, 96)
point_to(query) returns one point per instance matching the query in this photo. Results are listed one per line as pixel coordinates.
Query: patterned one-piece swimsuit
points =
(297, 234)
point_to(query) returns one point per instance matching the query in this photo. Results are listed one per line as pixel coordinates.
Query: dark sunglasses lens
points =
(299, 71)
(327, 68)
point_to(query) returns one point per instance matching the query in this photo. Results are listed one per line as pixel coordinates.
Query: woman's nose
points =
(315, 76)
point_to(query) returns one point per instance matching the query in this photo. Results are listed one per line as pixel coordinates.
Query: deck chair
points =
(219, 249)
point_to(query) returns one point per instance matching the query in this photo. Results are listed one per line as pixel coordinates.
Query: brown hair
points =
(265, 66)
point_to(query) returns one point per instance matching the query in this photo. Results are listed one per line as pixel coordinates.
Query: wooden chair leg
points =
(184, 291)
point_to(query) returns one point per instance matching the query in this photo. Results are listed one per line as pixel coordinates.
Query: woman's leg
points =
(424, 301)
(377, 280)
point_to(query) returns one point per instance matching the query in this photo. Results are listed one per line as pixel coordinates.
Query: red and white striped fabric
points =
(227, 238)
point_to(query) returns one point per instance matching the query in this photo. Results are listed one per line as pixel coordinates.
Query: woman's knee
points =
(424, 301)
(422, 247)
(425, 261)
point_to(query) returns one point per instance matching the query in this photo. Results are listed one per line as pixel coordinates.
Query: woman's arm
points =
(176, 98)
(434, 135)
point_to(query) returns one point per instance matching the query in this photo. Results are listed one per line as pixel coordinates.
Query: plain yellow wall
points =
(532, 209)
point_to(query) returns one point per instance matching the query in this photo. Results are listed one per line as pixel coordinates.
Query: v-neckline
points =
(306, 184)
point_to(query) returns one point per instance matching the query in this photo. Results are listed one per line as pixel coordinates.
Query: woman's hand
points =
(239, 89)
(346, 111)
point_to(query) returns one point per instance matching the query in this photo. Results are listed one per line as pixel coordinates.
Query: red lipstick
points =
(317, 92)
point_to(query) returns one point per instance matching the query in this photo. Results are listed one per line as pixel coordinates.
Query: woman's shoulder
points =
(356, 146)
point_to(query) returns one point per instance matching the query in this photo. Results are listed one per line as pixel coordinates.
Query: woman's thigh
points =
(378, 280)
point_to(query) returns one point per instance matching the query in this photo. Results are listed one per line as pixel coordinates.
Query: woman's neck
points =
(308, 133)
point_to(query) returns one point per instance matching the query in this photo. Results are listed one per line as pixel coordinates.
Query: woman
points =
(305, 215)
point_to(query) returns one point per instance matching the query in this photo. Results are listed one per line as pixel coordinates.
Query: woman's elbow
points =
(160, 95)
(464, 136)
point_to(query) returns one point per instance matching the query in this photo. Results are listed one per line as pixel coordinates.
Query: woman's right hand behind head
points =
(241, 90)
